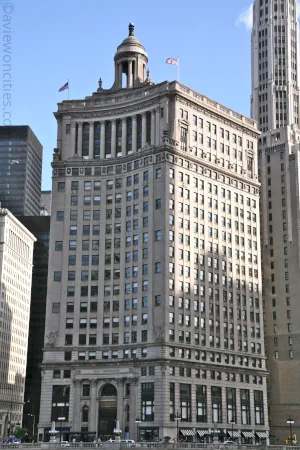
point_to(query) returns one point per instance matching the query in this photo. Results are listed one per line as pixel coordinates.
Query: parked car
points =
(65, 444)
(230, 443)
(14, 440)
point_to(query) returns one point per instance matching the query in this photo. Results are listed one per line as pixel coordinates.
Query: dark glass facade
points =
(39, 226)
(20, 170)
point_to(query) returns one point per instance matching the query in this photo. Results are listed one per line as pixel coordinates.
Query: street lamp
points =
(33, 424)
(61, 419)
(290, 422)
(177, 417)
(137, 421)
(232, 423)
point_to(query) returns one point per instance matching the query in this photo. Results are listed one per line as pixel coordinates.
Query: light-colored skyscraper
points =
(154, 307)
(275, 105)
(16, 251)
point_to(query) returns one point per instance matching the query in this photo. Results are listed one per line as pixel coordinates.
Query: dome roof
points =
(131, 44)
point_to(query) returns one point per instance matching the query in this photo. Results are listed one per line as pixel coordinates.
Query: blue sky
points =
(56, 40)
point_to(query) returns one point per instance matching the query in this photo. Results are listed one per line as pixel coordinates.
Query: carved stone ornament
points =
(51, 339)
(147, 146)
(76, 158)
(158, 333)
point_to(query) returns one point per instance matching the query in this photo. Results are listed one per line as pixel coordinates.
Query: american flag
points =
(173, 61)
(64, 87)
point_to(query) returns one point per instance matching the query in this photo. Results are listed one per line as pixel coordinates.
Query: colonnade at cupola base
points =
(129, 74)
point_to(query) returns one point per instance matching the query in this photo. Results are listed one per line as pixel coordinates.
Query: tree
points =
(20, 433)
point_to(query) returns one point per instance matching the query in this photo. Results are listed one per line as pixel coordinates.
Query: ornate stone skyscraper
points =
(154, 307)
(275, 105)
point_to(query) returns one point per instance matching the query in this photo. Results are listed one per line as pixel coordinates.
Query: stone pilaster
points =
(102, 140)
(129, 75)
(124, 135)
(73, 138)
(144, 129)
(79, 139)
(93, 407)
(120, 76)
(134, 134)
(153, 127)
(76, 408)
(91, 140)
(113, 138)
(157, 127)
(120, 404)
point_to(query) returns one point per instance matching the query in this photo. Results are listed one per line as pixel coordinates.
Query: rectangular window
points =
(201, 399)
(231, 405)
(61, 187)
(172, 402)
(216, 401)
(259, 408)
(60, 402)
(245, 406)
(147, 399)
(185, 402)
(57, 276)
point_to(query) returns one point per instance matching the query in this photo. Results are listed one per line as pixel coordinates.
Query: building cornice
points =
(168, 148)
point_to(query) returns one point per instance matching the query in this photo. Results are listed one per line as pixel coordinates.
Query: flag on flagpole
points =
(173, 61)
(64, 87)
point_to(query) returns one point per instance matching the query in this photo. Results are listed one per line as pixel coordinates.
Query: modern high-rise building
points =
(275, 105)
(45, 205)
(16, 250)
(39, 226)
(154, 305)
(20, 170)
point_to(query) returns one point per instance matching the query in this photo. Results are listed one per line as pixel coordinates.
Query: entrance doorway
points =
(107, 412)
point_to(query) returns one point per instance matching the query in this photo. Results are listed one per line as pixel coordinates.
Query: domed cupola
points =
(131, 59)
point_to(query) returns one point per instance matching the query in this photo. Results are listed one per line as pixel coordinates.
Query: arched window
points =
(85, 414)
(109, 391)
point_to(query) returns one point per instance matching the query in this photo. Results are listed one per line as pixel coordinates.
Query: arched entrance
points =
(107, 411)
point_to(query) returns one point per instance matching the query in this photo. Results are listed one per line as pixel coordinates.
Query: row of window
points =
(96, 185)
(198, 355)
(212, 128)
(205, 411)
(182, 303)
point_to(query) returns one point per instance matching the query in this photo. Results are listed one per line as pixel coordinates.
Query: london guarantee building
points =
(154, 308)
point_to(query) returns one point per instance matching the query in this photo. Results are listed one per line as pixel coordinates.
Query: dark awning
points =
(202, 433)
(248, 434)
(262, 434)
(187, 432)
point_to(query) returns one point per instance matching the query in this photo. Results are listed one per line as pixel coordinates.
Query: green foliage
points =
(20, 432)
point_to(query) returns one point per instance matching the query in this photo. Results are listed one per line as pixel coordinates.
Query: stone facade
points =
(154, 307)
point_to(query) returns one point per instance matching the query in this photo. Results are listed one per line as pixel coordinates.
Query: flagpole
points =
(68, 89)
(178, 68)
